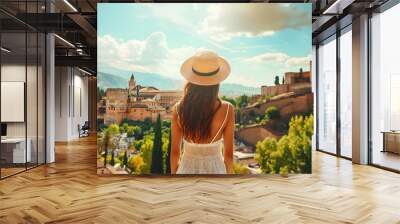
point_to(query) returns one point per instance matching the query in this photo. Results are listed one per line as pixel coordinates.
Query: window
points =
(346, 93)
(327, 96)
(385, 89)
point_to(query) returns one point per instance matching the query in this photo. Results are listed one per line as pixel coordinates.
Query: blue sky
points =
(259, 40)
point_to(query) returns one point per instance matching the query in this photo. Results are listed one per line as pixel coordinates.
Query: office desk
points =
(13, 150)
(391, 141)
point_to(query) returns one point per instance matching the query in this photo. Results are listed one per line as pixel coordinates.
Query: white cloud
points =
(226, 21)
(281, 58)
(151, 55)
(268, 57)
(299, 61)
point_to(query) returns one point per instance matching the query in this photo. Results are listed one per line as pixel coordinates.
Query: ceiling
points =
(332, 15)
(75, 22)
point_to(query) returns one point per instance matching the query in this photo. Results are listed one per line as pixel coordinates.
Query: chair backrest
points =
(86, 125)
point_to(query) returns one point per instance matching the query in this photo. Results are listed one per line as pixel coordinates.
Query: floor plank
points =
(69, 191)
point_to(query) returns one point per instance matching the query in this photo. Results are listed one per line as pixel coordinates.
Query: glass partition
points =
(22, 77)
(13, 86)
(327, 96)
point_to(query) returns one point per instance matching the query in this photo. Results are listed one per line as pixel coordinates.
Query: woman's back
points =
(205, 156)
(217, 125)
(202, 123)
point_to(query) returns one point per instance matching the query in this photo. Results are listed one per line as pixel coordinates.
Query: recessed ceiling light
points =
(64, 40)
(84, 71)
(5, 50)
(70, 5)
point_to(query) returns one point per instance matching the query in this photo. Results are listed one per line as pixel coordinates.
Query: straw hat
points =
(205, 68)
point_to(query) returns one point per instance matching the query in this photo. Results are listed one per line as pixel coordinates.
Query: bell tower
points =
(132, 85)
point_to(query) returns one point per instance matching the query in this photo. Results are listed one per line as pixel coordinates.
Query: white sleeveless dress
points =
(204, 158)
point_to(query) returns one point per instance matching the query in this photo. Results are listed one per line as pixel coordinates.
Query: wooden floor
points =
(69, 191)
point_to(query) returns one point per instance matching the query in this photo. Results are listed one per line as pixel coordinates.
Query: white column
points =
(50, 100)
(314, 90)
(360, 90)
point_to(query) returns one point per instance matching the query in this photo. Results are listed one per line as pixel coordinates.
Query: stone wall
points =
(274, 90)
(251, 135)
(287, 105)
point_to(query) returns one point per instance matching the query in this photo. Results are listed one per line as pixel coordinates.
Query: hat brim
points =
(190, 76)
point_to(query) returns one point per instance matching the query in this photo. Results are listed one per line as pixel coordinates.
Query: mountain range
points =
(106, 80)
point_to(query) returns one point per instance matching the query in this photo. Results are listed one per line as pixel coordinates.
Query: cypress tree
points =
(105, 145)
(168, 157)
(277, 80)
(112, 158)
(125, 162)
(283, 80)
(157, 155)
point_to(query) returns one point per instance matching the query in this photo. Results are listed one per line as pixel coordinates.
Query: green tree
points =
(146, 148)
(134, 131)
(272, 113)
(238, 116)
(252, 114)
(168, 157)
(157, 155)
(112, 162)
(230, 100)
(277, 80)
(240, 169)
(135, 164)
(124, 128)
(125, 159)
(100, 93)
(108, 140)
(283, 80)
(292, 153)
(242, 101)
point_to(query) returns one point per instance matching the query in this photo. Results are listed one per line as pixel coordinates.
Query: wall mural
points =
(204, 89)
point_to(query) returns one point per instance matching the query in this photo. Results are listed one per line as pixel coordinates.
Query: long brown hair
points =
(196, 110)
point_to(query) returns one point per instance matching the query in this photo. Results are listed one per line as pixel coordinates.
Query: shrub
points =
(272, 113)
(292, 153)
(240, 169)
(135, 163)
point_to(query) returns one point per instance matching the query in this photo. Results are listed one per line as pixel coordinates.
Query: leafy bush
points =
(242, 101)
(135, 163)
(230, 100)
(272, 113)
(292, 153)
(106, 139)
(146, 149)
(240, 169)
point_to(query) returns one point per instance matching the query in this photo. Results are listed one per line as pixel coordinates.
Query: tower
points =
(132, 85)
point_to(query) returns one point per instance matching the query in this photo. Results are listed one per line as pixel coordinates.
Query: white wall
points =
(71, 102)
(11, 73)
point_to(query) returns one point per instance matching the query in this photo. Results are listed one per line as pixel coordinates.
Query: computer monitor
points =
(3, 130)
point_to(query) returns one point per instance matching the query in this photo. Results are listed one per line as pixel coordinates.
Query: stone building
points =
(297, 82)
(136, 103)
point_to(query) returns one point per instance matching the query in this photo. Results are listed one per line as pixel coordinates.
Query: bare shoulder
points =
(174, 110)
(226, 104)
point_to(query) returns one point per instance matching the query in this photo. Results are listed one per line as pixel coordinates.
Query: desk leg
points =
(384, 142)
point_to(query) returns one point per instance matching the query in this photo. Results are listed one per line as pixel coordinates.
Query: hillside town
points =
(136, 103)
(258, 117)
